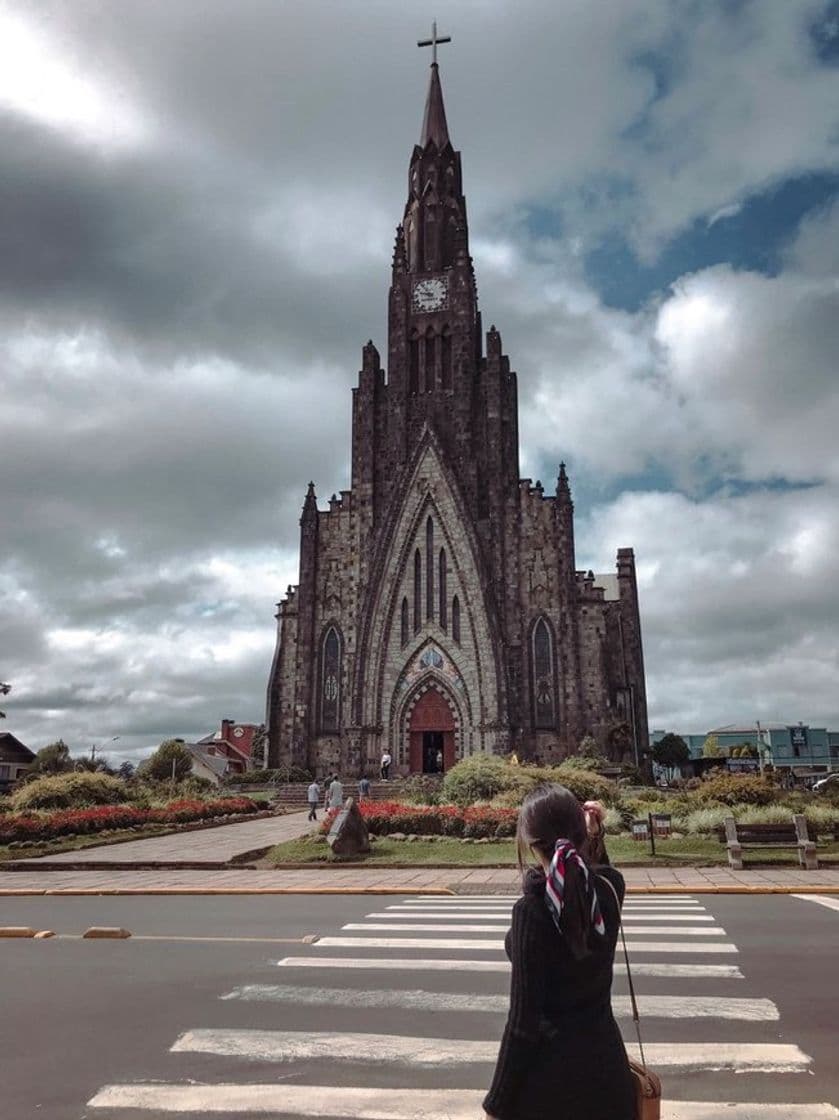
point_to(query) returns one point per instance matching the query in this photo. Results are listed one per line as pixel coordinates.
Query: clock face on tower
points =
(431, 294)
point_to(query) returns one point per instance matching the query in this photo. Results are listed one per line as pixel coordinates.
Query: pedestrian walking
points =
(562, 1056)
(336, 793)
(363, 787)
(313, 797)
(385, 765)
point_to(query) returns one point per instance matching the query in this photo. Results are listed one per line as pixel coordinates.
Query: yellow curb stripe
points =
(23, 892)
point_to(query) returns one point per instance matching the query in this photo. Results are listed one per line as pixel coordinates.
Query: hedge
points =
(386, 817)
(69, 791)
(66, 822)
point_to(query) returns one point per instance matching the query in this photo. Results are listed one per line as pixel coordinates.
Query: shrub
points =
(479, 778)
(736, 789)
(66, 791)
(259, 777)
(171, 759)
(420, 789)
(385, 817)
(65, 822)
(586, 785)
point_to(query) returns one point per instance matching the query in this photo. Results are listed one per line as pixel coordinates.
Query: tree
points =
(711, 748)
(126, 770)
(98, 765)
(52, 759)
(588, 746)
(259, 748)
(5, 689)
(671, 750)
(171, 753)
(619, 742)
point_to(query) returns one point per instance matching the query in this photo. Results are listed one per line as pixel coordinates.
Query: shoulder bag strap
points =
(635, 1016)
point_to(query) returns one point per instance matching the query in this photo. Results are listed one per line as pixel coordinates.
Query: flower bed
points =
(386, 817)
(65, 822)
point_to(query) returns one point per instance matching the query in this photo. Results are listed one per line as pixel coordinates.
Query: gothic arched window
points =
(330, 678)
(429, 569)
(456, 618)
(542, 662)
(413, 365)
(404, 621)
(417, 590)
(429, 361)
(441, 581)
(446, 359)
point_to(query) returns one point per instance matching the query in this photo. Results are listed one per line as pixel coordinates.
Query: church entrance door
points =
(431, 735)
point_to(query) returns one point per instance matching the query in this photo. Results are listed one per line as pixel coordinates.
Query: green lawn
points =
(688, 851)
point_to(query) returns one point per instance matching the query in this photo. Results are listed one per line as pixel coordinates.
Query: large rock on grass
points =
(348, 835)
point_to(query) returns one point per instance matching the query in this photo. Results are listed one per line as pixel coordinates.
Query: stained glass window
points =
(417, 590)
(429, 362)
(429, 569)
(446, 359)
(404, 621)
(442, 589)
(544, 707)
(330, 702)
(456, 618)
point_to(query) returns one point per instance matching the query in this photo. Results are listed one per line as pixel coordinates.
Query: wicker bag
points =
(647, 1084)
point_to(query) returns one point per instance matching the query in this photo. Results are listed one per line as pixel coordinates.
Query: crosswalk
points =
(398, 1016)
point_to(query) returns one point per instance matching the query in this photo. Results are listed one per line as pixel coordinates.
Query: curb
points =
(198, 891)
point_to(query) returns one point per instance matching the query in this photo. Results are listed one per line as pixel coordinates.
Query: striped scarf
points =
(555, 885)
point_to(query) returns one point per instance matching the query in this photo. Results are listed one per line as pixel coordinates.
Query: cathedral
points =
(439, 612)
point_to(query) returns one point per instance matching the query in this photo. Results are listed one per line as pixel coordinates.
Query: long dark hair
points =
(550, 813)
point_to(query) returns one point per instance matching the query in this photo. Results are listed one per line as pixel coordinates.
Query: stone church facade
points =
(439, 612)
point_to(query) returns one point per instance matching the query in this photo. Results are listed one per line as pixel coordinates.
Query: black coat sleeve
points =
(527, 992)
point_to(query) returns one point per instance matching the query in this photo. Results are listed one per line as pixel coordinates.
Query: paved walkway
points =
(219, 844)
(468, 881)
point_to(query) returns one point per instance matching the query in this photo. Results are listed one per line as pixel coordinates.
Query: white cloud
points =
(181, 325)
(49, 81)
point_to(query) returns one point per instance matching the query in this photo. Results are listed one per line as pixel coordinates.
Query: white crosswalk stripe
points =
(501, 927)
(344, 1103)
(829, 901)
(661, 1007)
(437, 1053)
(502, 916)
(455, 964)
(408, 938)
(495, 946)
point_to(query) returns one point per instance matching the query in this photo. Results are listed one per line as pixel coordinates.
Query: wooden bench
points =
(736, 837)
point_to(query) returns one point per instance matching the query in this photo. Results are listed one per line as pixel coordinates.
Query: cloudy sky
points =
(197, 204)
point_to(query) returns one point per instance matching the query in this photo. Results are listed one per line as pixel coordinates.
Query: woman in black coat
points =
(562, 1056)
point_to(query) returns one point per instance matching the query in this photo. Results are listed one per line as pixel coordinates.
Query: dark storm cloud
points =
(195, 236)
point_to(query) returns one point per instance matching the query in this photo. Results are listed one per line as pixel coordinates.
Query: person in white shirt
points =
(386, 761)
(336, 793)
(313, 797)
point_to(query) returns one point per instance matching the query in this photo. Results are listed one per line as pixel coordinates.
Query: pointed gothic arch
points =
(417, 590)
(404, 623)
(543, 675)
(329, 692)
(441, 587)
(429, 568)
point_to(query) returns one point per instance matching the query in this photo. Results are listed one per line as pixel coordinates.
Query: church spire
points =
(434, 125)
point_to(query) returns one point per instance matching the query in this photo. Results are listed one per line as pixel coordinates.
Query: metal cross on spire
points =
(433, 41)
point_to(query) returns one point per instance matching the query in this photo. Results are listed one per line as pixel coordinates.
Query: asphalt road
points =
(96, 1020)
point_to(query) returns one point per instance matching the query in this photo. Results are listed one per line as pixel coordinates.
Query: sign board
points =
(662, 824)
(742, 765)
(640, 830)
(798, 736)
